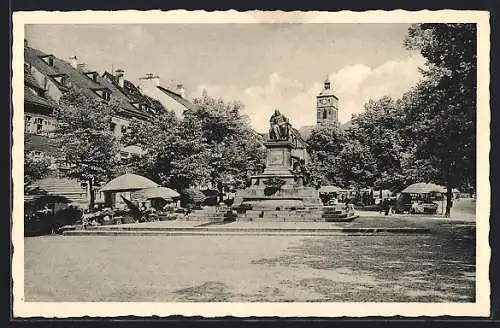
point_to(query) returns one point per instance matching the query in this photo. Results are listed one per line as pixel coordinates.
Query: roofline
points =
(34, 86)
(40, 104)
(136, 113)
(167, 92)
(324, 96)
(58, 74)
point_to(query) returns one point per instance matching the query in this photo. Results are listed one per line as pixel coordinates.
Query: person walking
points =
(386, 206)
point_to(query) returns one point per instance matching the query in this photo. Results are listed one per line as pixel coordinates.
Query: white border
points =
(96, 309)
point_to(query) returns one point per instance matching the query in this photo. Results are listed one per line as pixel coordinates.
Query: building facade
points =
(47, 78)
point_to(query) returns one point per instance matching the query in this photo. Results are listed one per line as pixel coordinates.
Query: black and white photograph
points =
(251, 163)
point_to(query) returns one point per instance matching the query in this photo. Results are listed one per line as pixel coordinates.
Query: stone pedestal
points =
(292, 201)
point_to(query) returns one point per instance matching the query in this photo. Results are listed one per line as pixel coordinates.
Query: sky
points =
(265, 66)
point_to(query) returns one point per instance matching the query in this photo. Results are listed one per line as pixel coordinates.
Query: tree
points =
(213, 143)
(87, 145)
(156, 138)
(324, 146)
(368, 153)
(355, 164)
(233, 149)
(34, 169)
(376, 138)
(441, 109)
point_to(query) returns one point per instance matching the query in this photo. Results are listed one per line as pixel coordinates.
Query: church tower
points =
(327, 105)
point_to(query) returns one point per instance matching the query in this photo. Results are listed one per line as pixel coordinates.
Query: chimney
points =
(26, 44)
(74, 62)
(120, 77)
(150, 80)
(181, 91)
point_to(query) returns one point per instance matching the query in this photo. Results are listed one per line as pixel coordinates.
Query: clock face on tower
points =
(323, 101)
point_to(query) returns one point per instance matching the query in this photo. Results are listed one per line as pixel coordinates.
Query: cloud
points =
(138, 37)
(354, 85)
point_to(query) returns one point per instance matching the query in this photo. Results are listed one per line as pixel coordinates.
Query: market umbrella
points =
(129, 181)
(329, 189)
(422, 188)
(160, 192)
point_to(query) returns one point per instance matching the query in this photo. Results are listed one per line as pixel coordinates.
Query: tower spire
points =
(327, 82)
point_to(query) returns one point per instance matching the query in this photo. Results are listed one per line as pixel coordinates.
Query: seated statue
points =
(280, 127)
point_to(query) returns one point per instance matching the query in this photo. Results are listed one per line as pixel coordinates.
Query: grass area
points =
(436, 267)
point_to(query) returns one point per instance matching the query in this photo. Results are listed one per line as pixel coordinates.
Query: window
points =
(62, 80)
(124, 129)
(112, 126)
(92, 76)
(48, 59)
(36, 154)
(103, 93)
(39, 123)
(27, 123)
(325, 114)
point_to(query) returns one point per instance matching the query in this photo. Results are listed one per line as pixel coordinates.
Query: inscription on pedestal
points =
(276, 157)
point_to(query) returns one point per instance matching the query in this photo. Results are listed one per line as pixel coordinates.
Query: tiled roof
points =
(30, 80)
(76, 77)
(30, 97)
(126, 96)
(134, 94)
(32, 56)
(120, 95)
(84, 82)
(177, 98)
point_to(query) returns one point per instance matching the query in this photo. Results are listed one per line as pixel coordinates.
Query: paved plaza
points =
(432, 267)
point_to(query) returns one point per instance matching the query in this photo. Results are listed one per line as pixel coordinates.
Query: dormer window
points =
(62, 80)
(103, 93)
(92, 75)
(48, 59)
(139, 106)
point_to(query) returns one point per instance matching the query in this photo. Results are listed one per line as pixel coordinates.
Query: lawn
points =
(436, 267)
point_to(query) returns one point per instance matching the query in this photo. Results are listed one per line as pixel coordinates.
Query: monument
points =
(280, 193)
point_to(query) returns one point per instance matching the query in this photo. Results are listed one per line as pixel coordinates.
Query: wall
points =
(120, 123)
(150, 88)
(30, 126)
